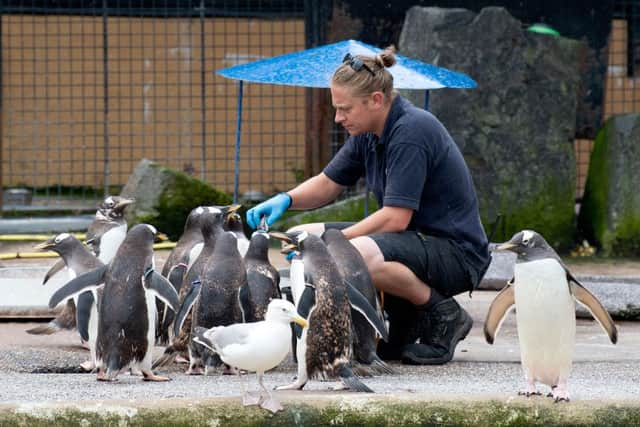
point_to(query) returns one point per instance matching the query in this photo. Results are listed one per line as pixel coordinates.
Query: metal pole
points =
(238, 133)
(105, 95)
(203, 116)
(1, 112)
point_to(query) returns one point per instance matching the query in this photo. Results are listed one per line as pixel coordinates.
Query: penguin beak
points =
(161, 237)
(44, 245)
(507, 246)
(281, 236)
(124, 203)
(300, 321)
(289, 247)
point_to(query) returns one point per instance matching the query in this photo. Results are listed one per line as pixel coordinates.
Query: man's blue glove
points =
(272, 208)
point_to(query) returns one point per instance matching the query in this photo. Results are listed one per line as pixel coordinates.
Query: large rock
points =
(516, 128)
(164, 197)
(610, 211)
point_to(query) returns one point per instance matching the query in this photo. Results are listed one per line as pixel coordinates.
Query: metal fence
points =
(91, 88)
(622, 92)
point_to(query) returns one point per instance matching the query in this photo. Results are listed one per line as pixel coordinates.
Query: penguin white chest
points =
(110, 242)
(545, 315)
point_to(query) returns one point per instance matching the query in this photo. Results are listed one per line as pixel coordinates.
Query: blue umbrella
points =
(314, 68)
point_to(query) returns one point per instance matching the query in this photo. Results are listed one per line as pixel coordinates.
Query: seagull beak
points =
(300, 321)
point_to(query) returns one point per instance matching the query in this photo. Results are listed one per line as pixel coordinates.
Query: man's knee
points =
(370, 252)
(316, 228)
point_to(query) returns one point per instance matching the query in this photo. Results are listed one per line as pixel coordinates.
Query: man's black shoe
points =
(448, 323)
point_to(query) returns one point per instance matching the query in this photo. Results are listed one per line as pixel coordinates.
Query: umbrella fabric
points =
(314, 68)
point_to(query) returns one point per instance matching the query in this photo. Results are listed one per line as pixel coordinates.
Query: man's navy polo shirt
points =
(416, 165)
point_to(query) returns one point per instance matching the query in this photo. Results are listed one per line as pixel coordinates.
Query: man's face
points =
(351, 112)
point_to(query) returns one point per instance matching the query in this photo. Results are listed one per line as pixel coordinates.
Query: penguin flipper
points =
(200, 338)
(350, 380)
(189, 299)
(176, 275)
(162, 288)
(84, 282)
(305, 304)
(59, 265)
(359, 303)
(498, 310)
(586, 298)
(83, 312)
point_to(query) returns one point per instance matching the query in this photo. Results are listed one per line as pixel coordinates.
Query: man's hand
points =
(272, 208)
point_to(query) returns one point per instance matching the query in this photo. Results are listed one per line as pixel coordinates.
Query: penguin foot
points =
(195, 371)
(180, 359)
(229, 370)
(529, 390)
(87, 366)
(559, 394)
(150, 376)
(529, 393)
(250, 398)
(271, 404)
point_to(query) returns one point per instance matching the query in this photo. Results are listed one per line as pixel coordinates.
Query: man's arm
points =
(315, 192)
(387, 219)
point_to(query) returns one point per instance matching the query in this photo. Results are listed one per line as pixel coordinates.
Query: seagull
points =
(255, 347)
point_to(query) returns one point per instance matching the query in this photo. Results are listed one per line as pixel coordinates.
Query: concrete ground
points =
(478, 387)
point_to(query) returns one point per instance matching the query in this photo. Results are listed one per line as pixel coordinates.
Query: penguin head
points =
(215, 218)
(143, 233)
(112, 207)
(233, 222)
(529, 246)
(281, 310)
(57, 243)
(292, 241)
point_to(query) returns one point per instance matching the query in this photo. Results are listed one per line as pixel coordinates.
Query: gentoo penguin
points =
(218, 301)
(355, 272)
(175, 267)
(78, 260)
(256, 347)
(109, 216)
(109, 228)
(263, 280)
(324, 348)
(126, 328)
(234, 224)
(211, 226)
(543, 292)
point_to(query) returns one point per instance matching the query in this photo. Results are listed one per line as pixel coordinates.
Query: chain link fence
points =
(90, 88)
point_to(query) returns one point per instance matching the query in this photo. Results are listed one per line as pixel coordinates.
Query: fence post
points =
(105, 95)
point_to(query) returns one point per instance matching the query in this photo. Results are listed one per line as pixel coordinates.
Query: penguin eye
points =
(525, 242)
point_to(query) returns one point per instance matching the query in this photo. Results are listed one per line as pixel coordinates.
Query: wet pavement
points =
(602, 373)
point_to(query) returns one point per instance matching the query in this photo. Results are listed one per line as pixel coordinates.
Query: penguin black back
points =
(123, 321)
(263, 279)
(355, 272)
(329, 333)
